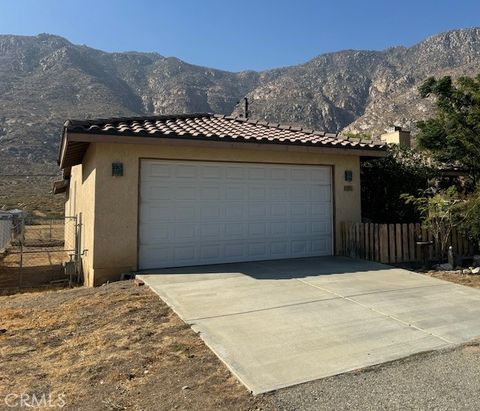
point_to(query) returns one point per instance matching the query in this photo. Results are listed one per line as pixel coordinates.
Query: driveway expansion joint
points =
(378, 311)
(263, 309)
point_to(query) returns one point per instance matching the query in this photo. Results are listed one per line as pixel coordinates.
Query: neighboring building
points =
(396, 135)
(203, 189)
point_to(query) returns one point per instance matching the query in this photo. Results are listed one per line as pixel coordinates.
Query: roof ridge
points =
(280, 126)
(96, 121)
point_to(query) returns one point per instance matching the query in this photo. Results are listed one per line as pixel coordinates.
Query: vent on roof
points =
(244, 112)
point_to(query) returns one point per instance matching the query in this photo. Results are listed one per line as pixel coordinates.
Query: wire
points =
(30, 175)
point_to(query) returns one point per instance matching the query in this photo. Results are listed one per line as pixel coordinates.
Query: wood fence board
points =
(383, 232)
(411, 242)
(398, 243)
(372, 241)
(394, 243)
(376, 239)
(418, 235)
(367, 242)
(405, 248)
(361, 233)
(391, 240)
(352, 241)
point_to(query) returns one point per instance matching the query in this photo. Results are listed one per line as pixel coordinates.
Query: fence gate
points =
(38, 251)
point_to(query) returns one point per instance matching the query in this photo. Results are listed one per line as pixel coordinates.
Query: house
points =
(198, 189)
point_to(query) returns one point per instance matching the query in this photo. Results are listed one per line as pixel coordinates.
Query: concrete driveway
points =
(284, 322)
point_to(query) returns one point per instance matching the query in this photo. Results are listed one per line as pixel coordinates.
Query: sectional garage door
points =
(194, 213)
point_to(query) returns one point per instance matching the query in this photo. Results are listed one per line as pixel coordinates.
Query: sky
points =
(238, 35)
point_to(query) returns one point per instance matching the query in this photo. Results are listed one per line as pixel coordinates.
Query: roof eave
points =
(74, 145)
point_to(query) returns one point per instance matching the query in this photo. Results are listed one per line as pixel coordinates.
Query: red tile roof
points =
(206, 126)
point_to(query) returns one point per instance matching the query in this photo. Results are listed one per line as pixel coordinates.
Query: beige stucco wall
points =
(80, 203)
(113, 205)
(114, 201)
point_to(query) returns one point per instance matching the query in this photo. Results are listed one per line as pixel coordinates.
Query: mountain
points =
(366, 91)
(45, 79)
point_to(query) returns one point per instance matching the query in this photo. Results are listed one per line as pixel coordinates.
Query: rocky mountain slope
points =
(365, 91)
(46, 79)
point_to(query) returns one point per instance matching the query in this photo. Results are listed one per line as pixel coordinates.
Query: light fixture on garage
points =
(117, 169)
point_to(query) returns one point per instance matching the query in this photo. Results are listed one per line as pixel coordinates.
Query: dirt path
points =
(111, 348)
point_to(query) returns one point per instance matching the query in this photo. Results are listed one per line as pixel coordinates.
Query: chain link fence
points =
(38, 251)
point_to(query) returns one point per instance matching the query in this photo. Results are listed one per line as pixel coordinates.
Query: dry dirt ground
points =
(119, 347)
(42, 258)
(470, 280)
(114, 347)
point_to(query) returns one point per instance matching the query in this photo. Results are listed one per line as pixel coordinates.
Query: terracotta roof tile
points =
(208, 126)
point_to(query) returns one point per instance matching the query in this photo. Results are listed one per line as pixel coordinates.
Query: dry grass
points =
(470, 280)
(113, 347)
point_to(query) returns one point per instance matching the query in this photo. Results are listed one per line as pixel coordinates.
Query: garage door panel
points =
(186, 171)
(211, 173)
(158, 170)
(279, 248)
(279, 228)
(212, 193)
(235, 230)
(257, 210)
(320, 210)
(235, 252)
(203, 213)
(236, 172)
(319, 228)
(156, 192)
(257, 250)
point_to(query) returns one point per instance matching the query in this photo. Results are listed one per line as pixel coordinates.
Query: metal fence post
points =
(78, 245)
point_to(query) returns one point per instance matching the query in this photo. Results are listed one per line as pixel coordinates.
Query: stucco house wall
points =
(109, 205)
(80, 203)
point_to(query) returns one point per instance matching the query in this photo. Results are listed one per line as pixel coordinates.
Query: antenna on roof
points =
(245, 107)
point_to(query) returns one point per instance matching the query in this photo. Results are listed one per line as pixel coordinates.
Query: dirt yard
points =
(470, 280)
(117, 347)
(43, 255)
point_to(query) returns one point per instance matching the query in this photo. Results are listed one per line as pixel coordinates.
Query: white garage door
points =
(194, 213)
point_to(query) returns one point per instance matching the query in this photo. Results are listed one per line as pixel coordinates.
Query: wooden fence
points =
(395, 243)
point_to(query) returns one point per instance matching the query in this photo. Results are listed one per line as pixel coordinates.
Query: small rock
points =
(445, 267)
(131, 376)
(466, 271)
(185, 387)
(146, 372)
(139, 282)
(476, 270)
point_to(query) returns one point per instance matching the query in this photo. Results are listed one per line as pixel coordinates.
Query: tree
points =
(453, 135)
(384, 180)
(471, 224)
(441, 212)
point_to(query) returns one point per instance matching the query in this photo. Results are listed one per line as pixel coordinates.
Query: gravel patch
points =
(440, 380)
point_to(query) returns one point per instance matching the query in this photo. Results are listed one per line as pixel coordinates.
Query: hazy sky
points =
(242, 34)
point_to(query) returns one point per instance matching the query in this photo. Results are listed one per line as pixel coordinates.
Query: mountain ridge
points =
(46, 79)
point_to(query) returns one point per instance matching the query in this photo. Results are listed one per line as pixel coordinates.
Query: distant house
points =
(204, 189)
